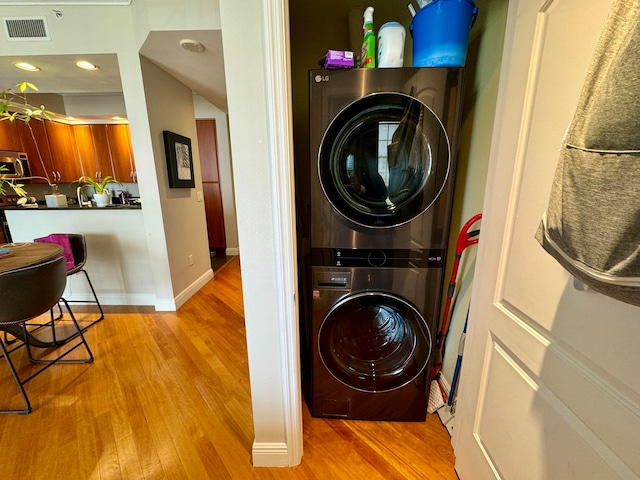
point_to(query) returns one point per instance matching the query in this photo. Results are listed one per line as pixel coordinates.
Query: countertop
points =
(75, 208)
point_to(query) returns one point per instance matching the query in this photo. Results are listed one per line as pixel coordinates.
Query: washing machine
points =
(372, 346)
(383, 154)
(382, 158)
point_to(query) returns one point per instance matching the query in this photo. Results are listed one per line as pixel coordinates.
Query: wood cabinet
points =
(86, 151)
(35, 143)
(119, 141)
(9, 139)
(64, 152)
(103, 166)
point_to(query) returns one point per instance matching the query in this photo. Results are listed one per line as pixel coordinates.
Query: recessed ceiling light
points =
(27, 66)
(191, 45)
(86, 65)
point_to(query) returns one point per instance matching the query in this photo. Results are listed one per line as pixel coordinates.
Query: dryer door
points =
(383, 160)
(374, 342)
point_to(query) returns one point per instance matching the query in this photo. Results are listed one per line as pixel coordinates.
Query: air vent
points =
(32, 28)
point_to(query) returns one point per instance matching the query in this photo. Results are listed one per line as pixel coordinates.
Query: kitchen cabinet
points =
(103, 164)
(35, 144)
(119, 144)
(114, 154)
(86, 151)
(9, 139)
(93, 150)
(64, 153)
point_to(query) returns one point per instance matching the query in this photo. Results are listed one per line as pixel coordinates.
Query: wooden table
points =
(28, 254)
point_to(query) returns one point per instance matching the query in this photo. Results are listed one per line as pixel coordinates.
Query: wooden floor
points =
(168, 398)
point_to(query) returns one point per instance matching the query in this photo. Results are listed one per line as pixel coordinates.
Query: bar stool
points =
(27, 293)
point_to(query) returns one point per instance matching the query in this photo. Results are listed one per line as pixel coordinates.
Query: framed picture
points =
(179, 160)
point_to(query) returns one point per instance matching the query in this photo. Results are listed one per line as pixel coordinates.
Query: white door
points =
(550, 383)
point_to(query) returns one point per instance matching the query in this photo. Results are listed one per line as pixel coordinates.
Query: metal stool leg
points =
(14, 374)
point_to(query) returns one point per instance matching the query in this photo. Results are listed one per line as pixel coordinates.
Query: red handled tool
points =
(466, 238)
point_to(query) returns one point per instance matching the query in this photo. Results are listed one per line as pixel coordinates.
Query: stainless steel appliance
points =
(14, 164)
(382, 160)
(372, 334)
(383, 146)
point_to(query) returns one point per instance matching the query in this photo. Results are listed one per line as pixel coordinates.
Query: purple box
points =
(339, 59)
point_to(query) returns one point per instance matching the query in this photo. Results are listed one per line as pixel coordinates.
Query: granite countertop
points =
(74, 207)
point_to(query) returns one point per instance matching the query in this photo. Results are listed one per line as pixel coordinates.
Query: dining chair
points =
(25, 294)
(75, 246)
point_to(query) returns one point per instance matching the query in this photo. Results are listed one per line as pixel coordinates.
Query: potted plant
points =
(14, 107)
(101, 193)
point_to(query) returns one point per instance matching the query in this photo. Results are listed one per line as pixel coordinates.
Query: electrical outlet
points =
(199, 196)
(190, 259)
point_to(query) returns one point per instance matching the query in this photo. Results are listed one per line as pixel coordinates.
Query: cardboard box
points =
(339, 59)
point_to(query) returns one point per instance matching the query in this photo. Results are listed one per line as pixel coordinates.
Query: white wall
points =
(250, 128)
(122, 30)
(185, 226)
(268, 293)
(117, 258)
(183, 15)
(481, 90)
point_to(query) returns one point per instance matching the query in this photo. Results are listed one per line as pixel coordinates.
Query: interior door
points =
(549, 384)
(208, 148)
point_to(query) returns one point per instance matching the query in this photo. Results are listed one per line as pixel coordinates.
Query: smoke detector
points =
(191, 45)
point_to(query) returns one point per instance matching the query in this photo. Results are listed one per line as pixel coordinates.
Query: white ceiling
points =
(203, 72)
(65, 2)
(58, 74)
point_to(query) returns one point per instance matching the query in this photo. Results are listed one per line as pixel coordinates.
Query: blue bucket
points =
(440, 33)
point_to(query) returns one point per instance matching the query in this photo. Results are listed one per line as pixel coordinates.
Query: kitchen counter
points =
(75, 208)
(117, 252)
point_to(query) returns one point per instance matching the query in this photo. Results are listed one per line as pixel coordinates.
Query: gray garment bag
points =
(592, 224)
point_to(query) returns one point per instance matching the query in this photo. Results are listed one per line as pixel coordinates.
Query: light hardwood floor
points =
(168, 398)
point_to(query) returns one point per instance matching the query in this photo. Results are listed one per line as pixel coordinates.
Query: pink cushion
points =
(61, 239)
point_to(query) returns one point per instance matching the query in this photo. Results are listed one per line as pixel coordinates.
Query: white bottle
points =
(391, 38)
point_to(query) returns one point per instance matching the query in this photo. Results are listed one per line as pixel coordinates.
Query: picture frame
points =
(179, 160)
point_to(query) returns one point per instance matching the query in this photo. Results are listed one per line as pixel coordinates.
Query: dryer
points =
(383, 155)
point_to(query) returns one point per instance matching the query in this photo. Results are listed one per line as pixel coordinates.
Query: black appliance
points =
(382, 167)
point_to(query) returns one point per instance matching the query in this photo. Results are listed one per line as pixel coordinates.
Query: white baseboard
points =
(191, 290)
(146, 299)
(270, 454)
(232, 252)
(143, 299)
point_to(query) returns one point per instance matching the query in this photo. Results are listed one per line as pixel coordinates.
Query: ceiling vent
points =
(23, 29)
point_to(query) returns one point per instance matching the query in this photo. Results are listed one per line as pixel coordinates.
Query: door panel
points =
(549, 386)
(86, 151)
(119, 144)
(208, 149)
(64, 153)
(9, 138)
(215, 215)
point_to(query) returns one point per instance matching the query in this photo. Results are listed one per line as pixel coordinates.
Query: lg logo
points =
(322, 78)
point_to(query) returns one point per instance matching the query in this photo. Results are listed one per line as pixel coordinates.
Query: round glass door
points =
(383, 160)
(374, 342)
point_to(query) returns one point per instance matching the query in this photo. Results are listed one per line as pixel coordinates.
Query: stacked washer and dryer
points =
(383, 149)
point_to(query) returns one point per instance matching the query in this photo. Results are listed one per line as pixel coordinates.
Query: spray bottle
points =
(367, 58)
